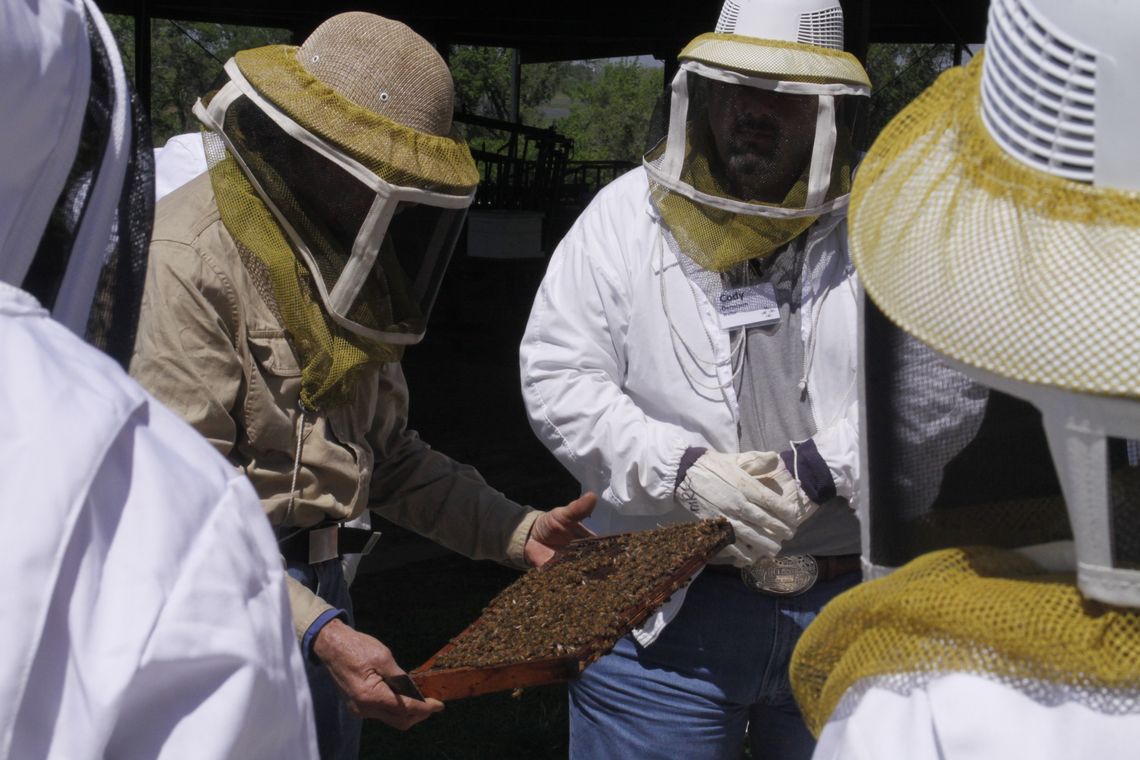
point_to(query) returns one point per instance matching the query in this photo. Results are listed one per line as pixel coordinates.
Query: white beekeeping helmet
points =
(1059, 87)
(997, 220)
(754, 153)
(808, 22)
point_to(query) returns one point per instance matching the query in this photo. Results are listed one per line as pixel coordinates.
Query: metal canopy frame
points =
(543, 31)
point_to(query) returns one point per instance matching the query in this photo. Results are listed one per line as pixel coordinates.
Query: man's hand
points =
(755, 492)
(358, 664)
(558, 527)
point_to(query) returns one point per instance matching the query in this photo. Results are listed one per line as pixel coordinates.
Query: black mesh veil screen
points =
(322, 201)
(114, 315)
(950, 462)
(113, 318)
(1124, 490)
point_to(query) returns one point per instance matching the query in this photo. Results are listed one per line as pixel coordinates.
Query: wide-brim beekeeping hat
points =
(997, 220)
(342, 152)
(799, 42)
(375, 89)
(979, 225)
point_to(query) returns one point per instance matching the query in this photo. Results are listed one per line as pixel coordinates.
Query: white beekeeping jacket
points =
(608, 379)
(144, 608)
(961, 716)
(180, 160)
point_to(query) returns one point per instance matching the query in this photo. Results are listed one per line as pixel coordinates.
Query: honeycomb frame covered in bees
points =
(552, 622)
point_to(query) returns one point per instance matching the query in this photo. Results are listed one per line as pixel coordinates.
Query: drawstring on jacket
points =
(707, 367)
(296, 469)
(297, 458)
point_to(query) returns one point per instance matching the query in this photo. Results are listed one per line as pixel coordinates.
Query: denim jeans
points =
(338, 732)
(719, 668)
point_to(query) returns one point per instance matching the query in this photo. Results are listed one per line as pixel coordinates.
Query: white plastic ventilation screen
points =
(726, 24)
(822, 28)
(1039, 92)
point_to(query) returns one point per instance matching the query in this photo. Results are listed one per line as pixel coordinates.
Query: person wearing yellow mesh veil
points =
(691, 354)
(283, 287)
(995, 226)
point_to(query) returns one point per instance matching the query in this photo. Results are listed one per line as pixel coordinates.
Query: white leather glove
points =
(755, 492)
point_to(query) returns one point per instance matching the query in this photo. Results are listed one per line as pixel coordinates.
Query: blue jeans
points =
(719, 668)
(338, 732)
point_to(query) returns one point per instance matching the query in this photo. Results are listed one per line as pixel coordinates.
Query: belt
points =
(788, 575)
(324, 542)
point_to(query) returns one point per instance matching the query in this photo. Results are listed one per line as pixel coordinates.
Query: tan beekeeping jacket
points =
(212, 349)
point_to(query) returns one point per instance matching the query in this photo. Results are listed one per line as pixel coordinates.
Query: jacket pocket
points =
(271, 350)
(274, 377)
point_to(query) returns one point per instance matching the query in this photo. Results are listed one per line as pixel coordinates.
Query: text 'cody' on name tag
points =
(748, 306)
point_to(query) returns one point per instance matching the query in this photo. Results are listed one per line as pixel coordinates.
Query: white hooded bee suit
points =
(617, 396)
(144, 604)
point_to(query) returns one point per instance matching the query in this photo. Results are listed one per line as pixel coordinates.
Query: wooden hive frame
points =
(449, 683)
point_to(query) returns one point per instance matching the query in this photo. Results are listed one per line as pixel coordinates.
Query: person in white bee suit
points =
(995, 225)
(144, 597)
(691, 354)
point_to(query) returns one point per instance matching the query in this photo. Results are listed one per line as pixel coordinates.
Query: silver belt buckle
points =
(783, 575)
(323, 544)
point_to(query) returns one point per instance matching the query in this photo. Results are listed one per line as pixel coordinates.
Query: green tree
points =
(899, 72)
(482, 80)
(186, 63)
(609, 118)
(483, 86)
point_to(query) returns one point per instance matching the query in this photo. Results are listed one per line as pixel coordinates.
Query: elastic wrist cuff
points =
(692, 454)
(807, 466)
(315, 627)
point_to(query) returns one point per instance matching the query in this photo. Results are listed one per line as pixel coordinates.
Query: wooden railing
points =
(528, 168)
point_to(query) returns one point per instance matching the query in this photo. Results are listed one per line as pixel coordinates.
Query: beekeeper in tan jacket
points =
(282, 288)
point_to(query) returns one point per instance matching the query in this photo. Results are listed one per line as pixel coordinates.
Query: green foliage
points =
(187, 59)
(603, 107)
(609, 117)
(482, 81)
(483, 84)
(899, 72)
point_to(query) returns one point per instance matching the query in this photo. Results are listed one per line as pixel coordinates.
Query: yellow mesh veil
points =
(983, 611)
(330, 356)
(718, 239)
(1023, 274)
(991, 262)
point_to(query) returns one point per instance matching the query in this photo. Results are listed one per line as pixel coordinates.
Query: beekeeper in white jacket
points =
(691, 353)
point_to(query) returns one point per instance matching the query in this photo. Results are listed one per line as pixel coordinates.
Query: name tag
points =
(752, 305)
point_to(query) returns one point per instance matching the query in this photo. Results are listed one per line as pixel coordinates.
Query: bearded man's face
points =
(763, 139)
